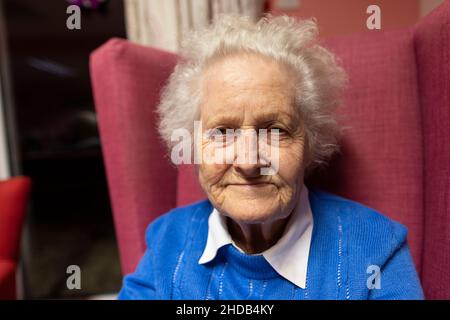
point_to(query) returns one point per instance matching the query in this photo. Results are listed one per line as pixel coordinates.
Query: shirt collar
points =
(289, 256)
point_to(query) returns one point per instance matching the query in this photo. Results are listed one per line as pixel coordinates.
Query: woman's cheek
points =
(212, 174)
(291, 163)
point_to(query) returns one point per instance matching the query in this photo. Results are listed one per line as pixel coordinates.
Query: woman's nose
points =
(248, 170)
(247, 160)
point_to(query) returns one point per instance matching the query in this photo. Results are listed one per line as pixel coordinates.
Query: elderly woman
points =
(263, 235)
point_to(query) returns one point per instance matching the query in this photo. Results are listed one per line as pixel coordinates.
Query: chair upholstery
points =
(126, 80)
(432, 49)
(394, 155)
(14, 194)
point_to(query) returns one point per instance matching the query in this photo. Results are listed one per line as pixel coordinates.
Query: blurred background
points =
(48, 126)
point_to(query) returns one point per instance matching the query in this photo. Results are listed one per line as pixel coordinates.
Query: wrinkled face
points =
(252, 92)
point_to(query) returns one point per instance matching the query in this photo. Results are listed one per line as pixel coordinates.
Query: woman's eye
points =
(276, 130)
(222, 131)
(219, 133)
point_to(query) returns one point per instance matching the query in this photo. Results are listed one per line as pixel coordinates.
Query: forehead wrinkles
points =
(246, 71)
(246, 88)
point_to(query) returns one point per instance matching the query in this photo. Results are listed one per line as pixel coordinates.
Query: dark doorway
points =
(70, 221)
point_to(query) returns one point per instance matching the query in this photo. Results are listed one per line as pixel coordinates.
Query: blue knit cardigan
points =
(355, 253)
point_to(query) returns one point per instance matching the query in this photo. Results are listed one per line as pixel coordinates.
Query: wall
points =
(425, 6)
(349, 16)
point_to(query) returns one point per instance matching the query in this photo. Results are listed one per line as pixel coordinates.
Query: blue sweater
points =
(349, 242)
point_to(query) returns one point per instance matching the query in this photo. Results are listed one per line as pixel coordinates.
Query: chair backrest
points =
(432, 49)
(381, 160)
(384, 150)
(126, 80)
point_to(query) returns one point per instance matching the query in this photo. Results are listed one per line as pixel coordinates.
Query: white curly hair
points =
(294, 42)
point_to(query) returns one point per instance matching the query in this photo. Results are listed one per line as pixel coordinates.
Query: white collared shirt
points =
(289, 256)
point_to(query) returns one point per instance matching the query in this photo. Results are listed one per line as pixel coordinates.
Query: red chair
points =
(396, 151)
(13, 202)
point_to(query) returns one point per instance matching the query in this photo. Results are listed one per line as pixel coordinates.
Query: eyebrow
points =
(275, 116)
(226, 120)
(265, 118)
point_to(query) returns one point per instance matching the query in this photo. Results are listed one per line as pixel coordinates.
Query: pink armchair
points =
(395, 156)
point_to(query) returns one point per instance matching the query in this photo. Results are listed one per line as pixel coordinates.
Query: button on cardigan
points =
(350, 242)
